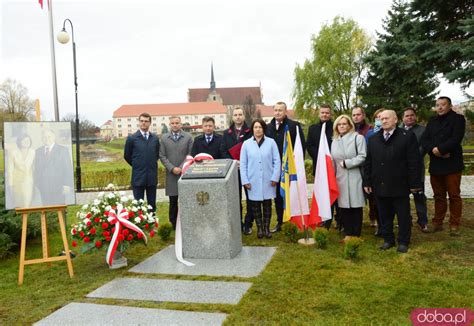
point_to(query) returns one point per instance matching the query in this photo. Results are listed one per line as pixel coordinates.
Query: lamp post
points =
(63, 37)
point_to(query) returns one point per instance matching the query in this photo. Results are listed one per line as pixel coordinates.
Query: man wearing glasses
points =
(142, 153)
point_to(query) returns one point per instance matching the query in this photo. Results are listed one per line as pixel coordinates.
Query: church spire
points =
(213, 83)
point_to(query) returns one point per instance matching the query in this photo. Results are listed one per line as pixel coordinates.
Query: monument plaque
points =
(208, 169)
(210, 211)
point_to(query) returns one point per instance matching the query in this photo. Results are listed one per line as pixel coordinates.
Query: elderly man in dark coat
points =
(142, 151)
(392, 171)
(175, 146)
(442, 141)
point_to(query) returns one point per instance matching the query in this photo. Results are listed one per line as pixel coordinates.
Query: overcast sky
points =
(145, 51)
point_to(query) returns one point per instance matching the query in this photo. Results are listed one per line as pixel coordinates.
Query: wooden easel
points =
(44, 239)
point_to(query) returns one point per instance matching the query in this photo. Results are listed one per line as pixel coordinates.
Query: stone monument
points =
(210, 210)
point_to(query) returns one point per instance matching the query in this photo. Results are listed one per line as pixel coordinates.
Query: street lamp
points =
(63, 37)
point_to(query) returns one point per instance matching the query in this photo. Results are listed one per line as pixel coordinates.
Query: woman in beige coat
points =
(348, 151)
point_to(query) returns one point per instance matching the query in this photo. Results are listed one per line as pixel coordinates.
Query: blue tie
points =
(208, 139)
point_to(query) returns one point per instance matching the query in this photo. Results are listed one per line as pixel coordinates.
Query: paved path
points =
(467, 191)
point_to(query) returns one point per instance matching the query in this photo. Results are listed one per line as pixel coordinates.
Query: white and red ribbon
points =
(120, 221)
(178, 239)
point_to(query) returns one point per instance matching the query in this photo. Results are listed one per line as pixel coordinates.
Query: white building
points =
(125, 118)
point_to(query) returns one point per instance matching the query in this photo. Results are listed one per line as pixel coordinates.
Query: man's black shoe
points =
(277, 228)
(402, 248)
(247, 230)
(386, 246)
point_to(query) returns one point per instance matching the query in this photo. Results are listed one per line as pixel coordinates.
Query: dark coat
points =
(445, 132)
(279, 135)
(393, 167)
(213, 148)
(229, 139)
(314, 136)
(51, 173)
(143, 155)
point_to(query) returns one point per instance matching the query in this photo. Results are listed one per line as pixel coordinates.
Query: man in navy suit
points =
(209, 142)
(142, 153)
(52, 170)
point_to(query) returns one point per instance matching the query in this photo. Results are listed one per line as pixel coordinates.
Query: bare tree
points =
(15, 105)
(250, 110)
(86, 127)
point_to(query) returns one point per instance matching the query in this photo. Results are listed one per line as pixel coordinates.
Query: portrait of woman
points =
(20, 171)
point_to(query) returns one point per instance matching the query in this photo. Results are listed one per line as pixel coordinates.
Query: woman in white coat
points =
(348, 152)
(260, 171)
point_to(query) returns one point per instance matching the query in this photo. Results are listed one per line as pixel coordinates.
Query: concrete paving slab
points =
(98, 314)
(172, 290)
(248, 263)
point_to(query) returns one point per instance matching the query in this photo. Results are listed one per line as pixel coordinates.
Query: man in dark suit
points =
(142, 153)
(276, 130)
(442, 141)
(392, 171)
(312, 143)
(232, 140)
(52, 170)
(409, 123)
(209, 142)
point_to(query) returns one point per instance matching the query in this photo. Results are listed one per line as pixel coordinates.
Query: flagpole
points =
(53, 60)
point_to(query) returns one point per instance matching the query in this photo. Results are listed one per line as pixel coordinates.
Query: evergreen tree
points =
(447, 28)
(398, 77)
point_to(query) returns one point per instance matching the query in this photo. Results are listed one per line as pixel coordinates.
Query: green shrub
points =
(290, 231)
(321, 237)
(5, 244)
(164, 231)
(351, 247)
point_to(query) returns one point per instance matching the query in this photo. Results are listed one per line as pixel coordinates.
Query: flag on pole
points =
(298, 193)
(288, 174)
(41, 3)
(325, 190)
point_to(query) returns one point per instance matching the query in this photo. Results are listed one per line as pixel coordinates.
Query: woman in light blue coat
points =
(260, 171)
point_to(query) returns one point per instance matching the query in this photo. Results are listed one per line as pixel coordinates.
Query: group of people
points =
(380, 164)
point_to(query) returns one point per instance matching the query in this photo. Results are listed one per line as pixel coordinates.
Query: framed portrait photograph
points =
(38, 164)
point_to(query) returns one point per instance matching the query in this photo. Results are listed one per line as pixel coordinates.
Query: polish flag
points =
(298, 193)
(325, 190)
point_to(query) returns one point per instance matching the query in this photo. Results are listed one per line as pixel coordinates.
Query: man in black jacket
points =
(209, 142)
(142, 151)
(276, 130)
(442, 141)
(312, 142)
(232, 140)
(409, 123)
(392, 171)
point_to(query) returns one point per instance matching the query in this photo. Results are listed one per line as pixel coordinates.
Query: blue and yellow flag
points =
(288, 174)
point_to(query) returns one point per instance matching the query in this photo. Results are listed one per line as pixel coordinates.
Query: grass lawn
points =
(299, 286)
